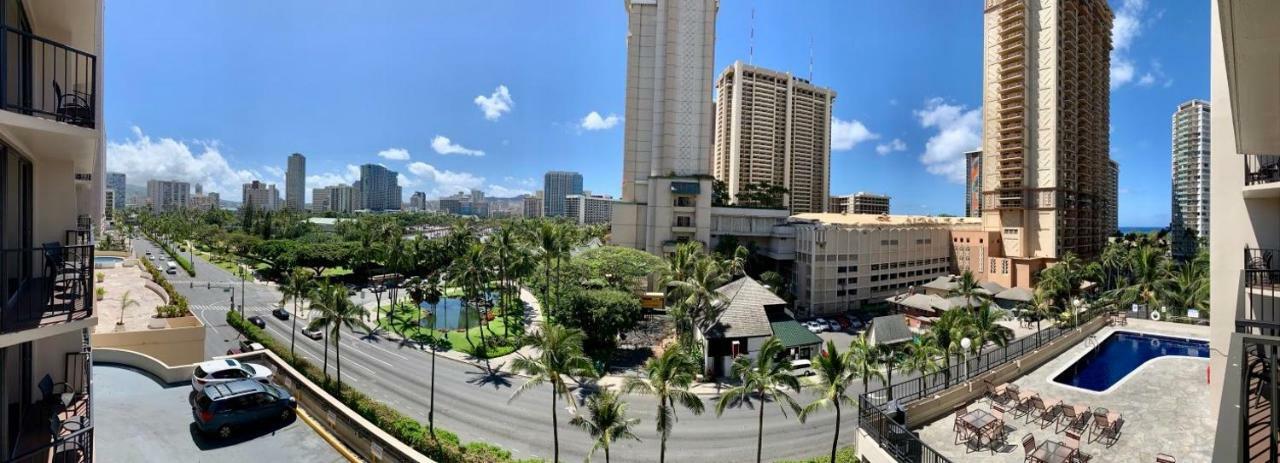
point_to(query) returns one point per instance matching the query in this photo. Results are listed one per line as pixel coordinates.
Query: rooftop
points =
(882, 220)
(745, 315)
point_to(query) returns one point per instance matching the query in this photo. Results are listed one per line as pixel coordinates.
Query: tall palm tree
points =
(505, 242)
(325, 299)
(296, 286)
(559, 354)
(606, 421)
(668, 378)
(1039, 307)
(984, 327)
(946, 334)
(471, 273)
(968, 288)
(890, 356)
(1185, 287)
(765, 379)
(922, 358)
(736, 265)
(339, 313)
(699, 297)
(836, 377)
(862, 356)
(431, 294)
(549, 242)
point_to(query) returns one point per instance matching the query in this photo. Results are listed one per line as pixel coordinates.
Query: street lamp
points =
(1075, 311)
(964, 345)
(242, 277)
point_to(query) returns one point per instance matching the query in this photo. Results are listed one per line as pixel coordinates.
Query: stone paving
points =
(1165, 407)
(117, 282)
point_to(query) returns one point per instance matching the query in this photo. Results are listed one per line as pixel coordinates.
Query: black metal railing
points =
(47, 285)
(1257, 396)
(1261, 168)
(1261, 279)
(877, 407)
(71, 440)
(44, 78)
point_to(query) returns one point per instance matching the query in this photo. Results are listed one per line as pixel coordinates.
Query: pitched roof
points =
(992, 287)
(944, 283)
(745, 315)
(1015, 294)
(793, 334)
(889, 329)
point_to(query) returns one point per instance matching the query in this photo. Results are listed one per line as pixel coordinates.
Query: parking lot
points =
(137, 419)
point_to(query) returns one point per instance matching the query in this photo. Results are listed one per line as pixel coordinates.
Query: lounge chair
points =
(1047, 411)
(993, 393)
(1073, 421)
(1111, 433)
(1163, 458)
(958, 424)
(1029, 448)
(1025, 407)
(1011, 394)
(1073, 442)
(999, 433)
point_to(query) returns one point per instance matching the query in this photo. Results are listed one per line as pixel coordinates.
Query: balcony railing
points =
(47, 79)
(1261, 168)
(45, 286)
(67, 435)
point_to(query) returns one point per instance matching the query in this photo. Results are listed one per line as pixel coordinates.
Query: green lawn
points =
(405, 322)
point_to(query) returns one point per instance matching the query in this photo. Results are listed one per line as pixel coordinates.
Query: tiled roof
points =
(1015, 294)
(745, 315)
(889, 329)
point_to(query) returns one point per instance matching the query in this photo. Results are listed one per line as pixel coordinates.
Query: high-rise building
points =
(418, 201)
(464, 204)
(168, 195)
(336, 198)
(1111, 219)
(1045, 130)
(533, 205)
(773, 128)
(52, 166)
(205, 201)
(1190, 201)
(666, 167)
(379, 188)
(973, 183)
(556, 185)
(859, 203)
(295, 181)
(260, 196)
(589, 209)
(116, 183)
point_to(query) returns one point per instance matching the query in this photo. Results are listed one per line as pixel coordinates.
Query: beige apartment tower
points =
(666, 168)
(773, 128)
(1045, 131)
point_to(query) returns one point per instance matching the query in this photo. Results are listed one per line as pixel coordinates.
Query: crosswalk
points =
(226, 307)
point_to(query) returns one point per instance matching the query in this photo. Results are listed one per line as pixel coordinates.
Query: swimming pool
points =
(106, 261)
(1123, 353)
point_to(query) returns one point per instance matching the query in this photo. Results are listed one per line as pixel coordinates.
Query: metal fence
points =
(46, 78)
(46, 285)
(1261, 168)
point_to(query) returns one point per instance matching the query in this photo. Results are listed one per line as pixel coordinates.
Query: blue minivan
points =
(223, 406)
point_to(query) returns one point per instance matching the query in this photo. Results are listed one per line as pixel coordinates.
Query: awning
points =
(793, 334)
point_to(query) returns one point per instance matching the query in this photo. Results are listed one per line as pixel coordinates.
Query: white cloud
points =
(526, 182)
(143, 158)
(1125, 29)
(394, 154)
(443, 145)
(846, 134)
(505, 192)
(893, 145)
(496, 104)
(1146, 80)
(438, 182)
(958, 131)
(594, 121)
(274, 171)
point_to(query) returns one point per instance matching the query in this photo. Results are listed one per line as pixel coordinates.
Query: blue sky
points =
(490, 95)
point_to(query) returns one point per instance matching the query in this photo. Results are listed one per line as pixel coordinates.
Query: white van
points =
(172, 268)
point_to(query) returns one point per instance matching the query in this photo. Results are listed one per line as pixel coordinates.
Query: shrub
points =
(177, 301)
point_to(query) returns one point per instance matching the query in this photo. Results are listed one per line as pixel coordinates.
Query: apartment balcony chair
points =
(75, 107)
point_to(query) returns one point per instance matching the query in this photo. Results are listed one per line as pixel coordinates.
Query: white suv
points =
(226, 370)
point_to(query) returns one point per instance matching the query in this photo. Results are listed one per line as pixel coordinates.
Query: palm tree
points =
(431, 293)
(606, 421)
(296, 285)
(889, 356)
(765, 379)
(339, 312)
(922, 357)
(1039, 307)
(736, 264)
(668, 378)
(1187, 287)
(947, 333)
(984, 327)
(325, 299)
(507, 246)
(125, 303)
(836, 376)
(549, 241)
(778, 285)
(864, 361)
(700, 300)
(559, 354)
(968, 288)
(471, 272)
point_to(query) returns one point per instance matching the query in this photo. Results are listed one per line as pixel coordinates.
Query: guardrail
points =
(47, 285)
(1261, 169)
(55, 81)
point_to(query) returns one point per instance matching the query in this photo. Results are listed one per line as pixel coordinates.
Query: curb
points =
(328, 437)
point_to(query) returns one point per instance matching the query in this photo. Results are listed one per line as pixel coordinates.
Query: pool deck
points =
(1164, 405)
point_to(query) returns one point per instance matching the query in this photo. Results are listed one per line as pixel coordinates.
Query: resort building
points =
(843, 261)
(168, 195)
(379, 188)
(1044, 134)
(465, 204)
(859, 203)
(557, 185)
(533, 205)
(295, 180)
(260, 196)
(973, 183)
(117, 185)
(1190, 201)
(666, 168)
(52, 166)
(773, 128)
(337, 198)
(588, 210)
(204, 202)
(1244, 290)
(418, 201)
(753, 315)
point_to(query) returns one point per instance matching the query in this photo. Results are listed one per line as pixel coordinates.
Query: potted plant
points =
(99, 293)
(101, 276)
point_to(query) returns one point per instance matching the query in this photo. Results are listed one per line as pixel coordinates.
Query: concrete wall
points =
(169, 374)
(181, 343)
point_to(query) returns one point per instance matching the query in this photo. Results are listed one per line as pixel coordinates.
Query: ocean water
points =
(1140, 229)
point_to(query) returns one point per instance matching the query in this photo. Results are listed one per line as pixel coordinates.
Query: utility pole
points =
(241, 290)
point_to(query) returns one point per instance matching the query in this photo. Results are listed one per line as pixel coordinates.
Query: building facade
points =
(168, 195)
(666, 167)
(379, 188)
(295, 183)
(773, 128)
(336, 198)
(260, 196)
(533, 206)
(589, 210)
(418, 201)
(869, 203)
(52, 166)
(843, 261)
(1045, 129)
(556, 185)
(1190, 201)
(117, 184)
(1111, 219)
(973, 183)
(206, 201)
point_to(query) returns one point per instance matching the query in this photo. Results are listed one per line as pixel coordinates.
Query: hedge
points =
(176, 256)
(178, 306)
(443, 447)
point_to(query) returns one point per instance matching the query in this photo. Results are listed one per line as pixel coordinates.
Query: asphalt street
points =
(478, 405)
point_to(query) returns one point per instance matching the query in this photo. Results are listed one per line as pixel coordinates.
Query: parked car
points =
(257, 321)
(313, 332)
(832, 325)
(280, 313)
(148, 254)
(222, 407)
(227, 370)
(245, 346)
(812, 327)
(802, 367)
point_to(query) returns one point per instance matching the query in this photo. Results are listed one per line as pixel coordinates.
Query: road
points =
(477, 405)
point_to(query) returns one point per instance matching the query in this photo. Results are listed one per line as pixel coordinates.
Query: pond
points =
(449, 314)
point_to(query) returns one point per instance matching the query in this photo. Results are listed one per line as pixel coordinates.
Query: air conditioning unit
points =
(84, 177)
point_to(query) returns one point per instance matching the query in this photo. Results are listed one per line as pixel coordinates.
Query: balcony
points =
(45, 286)
(59, 428)
(1262, 176)
(43, 78)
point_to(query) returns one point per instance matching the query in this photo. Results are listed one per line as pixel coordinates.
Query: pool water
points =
(106, 261)
(448, 313)
(1122, 353)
